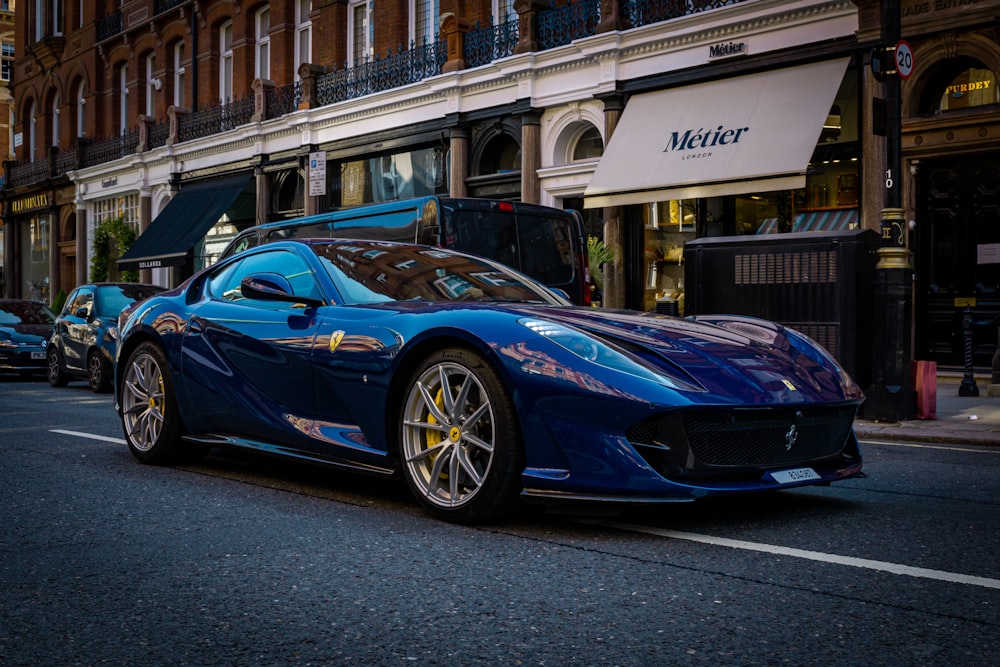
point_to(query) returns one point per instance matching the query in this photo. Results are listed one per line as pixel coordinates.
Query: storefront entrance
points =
(957, 258)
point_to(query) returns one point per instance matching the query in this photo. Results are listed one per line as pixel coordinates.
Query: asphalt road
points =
(241, 561)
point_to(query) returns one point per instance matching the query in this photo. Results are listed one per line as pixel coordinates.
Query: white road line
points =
(948, 448)
(91, 436)
(882, 566)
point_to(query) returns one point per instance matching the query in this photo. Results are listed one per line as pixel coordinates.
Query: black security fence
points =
(818, 283)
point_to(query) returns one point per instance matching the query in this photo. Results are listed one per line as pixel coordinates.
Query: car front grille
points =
(700, 441)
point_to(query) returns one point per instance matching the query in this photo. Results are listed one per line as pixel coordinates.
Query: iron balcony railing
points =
(216, 119)
(391, 71)
(558, 26)
(486, 43)
(636, 13)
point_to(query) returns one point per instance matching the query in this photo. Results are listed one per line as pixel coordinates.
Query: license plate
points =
(795, 475)
(38, 355)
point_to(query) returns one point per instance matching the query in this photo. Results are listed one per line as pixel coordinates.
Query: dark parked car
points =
(25, 329)
(86, 332)
(476, 384)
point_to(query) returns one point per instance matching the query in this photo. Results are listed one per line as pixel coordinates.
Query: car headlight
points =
(112, 332)
(596, 351)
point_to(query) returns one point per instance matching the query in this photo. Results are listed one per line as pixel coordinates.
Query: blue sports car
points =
(476, 384)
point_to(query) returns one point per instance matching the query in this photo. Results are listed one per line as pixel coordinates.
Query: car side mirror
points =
(272, 287)
(81, 313)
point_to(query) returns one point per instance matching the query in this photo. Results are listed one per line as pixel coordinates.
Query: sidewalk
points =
(973, 420)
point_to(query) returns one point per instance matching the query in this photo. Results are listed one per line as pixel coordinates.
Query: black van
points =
(543, 242)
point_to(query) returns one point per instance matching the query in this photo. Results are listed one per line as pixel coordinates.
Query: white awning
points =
(752, 133)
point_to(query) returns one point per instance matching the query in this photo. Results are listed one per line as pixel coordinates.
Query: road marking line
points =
(91, 436)
(948, 448)
(882, 566)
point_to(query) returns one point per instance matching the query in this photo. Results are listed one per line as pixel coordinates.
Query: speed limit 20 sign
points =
(904, 59)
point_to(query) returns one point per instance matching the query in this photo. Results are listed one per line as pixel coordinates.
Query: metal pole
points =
(892, 396)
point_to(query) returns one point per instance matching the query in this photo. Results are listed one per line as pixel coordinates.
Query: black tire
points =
(460, 450)
(149, 413)
(98, 372)
(54, 371)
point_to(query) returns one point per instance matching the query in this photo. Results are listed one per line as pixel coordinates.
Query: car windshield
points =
(371, 272)
(112, 299)
(25, 312)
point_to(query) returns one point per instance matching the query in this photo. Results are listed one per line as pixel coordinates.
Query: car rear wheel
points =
(54, 371)
(98, 373)
(148, 407)
(460, 443)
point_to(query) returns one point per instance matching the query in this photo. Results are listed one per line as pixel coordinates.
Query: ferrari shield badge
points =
(335, 338)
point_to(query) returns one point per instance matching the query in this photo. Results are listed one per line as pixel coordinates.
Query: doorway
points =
(957, 252)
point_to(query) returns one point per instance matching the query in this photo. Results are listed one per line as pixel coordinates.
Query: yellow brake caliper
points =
(434, 438)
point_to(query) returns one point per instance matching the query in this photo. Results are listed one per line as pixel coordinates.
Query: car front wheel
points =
(54, 371)
(98, 373)
(148, 409)
(460, 443)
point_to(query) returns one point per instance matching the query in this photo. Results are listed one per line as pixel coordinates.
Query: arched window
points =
(501, 154)
(150, 84)
(959, 83)
(589, 145)
(123, 99)
(80, 106)
(55, 120)
(29, 124)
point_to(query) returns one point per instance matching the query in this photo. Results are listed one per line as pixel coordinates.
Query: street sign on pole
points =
(904, 59)
(317, 174)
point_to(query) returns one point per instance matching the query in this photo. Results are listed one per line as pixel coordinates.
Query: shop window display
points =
(667, 226)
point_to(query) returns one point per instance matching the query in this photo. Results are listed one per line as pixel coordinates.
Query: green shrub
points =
(111, 239)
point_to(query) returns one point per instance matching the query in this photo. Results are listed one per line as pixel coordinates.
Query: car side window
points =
(84, 299)
(226, 283)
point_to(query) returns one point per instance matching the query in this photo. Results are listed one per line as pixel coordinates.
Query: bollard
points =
(968, 386)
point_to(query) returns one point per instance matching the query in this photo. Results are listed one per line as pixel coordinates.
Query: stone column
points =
(614, 274)
(263, 183)
(458, 162)
(145, 219)
(527, 24)
(82, 259)
(531, 156)
(55, 257)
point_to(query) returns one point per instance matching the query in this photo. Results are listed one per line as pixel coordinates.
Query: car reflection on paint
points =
(86, 332)
(25, 329)
(477, 385)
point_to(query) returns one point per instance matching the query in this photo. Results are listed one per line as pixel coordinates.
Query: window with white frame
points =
(124, 206)
(303, 33)
(6, 60)
(80, 104)
(32, 133)
(179, 74)
(503, 11)
(123, 99)
(425, 20)
(226, 62)
(47, 17)
(55, 120)
(359, 32)
(262, 34)
(150, 83)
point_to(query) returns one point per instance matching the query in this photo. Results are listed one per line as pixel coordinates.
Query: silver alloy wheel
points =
(95, 371)
(143, 402)
(448, 434)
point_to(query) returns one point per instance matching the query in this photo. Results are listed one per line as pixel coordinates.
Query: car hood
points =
(27, 333)
(717, 354)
